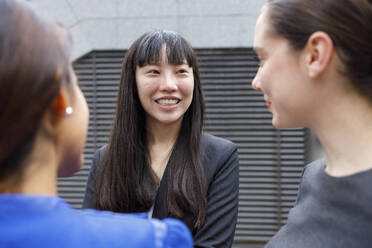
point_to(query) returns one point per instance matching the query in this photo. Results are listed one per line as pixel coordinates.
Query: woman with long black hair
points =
(158, 160)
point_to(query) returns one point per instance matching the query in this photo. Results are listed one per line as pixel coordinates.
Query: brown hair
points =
(125, 181)
(347, 22)
(33, 63)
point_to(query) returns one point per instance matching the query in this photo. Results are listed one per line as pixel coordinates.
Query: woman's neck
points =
(345, 131)
(40, 172)
(161, 140)
(161, 133)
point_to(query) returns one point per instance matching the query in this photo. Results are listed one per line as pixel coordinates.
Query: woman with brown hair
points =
(43, 125)
(316, 72)
(158, 160)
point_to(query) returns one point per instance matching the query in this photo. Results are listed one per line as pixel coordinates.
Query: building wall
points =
(115, 24)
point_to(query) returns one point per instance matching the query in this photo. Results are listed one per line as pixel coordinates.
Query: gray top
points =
(329, 211)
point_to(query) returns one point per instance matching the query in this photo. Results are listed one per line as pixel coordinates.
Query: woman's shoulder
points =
(113, 225)
(314, 168)
(217, 153)
(217, 144)
(98, 155)
(100, 151)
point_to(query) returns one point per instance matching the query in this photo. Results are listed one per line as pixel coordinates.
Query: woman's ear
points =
(60, 106)
(319, 51)
(55, 113)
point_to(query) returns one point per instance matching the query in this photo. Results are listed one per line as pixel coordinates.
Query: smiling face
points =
(280, 76)
(165, 90)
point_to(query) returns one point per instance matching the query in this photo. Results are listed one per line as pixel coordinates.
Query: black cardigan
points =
(221, 167)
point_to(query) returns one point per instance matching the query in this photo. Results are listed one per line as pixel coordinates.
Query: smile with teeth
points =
(166, 101)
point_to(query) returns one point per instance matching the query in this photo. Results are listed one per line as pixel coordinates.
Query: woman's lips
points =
(167, 101)
(268, 105)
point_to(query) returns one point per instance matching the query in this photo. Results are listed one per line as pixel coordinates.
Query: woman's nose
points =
(168, 82)
(256, 83)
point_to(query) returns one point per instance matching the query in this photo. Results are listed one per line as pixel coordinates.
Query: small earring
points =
(68, 112)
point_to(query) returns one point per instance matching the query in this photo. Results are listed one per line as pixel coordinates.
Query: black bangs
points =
(150, 49)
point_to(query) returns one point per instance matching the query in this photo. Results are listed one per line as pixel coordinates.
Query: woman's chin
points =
(70, 166)
(281, 124)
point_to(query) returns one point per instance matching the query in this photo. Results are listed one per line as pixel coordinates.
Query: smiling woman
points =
(316, 71)
(165, 90)
(158, 160)
(278, 77)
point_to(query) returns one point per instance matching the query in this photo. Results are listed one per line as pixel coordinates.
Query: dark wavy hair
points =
(125, 181)
(33, 65)
(347, 22)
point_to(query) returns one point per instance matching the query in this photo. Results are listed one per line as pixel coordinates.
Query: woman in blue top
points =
(43, 123)
(316, 71)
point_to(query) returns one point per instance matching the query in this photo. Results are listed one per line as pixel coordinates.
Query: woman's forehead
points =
(261, 28)
(164, 55)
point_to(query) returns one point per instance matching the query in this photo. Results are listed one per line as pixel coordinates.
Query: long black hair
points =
(125, 181)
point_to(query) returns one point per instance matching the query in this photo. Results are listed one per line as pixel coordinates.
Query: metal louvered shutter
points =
(271, 161)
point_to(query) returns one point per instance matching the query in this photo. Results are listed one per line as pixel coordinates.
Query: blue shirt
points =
(47, 221)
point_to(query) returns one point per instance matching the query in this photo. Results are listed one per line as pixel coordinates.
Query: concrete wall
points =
(115, 24)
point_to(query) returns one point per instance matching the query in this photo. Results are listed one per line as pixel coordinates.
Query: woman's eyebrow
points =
(258, 49)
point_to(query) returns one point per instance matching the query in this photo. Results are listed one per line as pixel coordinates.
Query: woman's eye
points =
(153, 72)
(182, 71)
(259, 59)
(260, 63)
